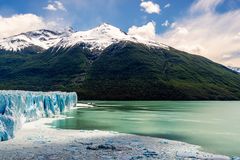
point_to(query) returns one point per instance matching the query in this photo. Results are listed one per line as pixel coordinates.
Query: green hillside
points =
(125, 70)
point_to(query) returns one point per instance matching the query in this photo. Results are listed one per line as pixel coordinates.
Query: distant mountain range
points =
(96, 40)
(107, 63)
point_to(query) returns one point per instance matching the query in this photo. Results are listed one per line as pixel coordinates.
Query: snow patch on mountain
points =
(236, 69)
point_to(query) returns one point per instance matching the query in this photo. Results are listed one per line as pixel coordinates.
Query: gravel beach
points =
(38, 140)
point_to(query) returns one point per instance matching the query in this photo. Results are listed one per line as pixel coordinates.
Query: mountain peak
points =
(106, 28)
(96, 39)
(42, 38)
(105, 25)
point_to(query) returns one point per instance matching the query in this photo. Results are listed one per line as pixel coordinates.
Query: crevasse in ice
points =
(19, 107)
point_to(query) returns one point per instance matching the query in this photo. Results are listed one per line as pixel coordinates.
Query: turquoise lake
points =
(214, 125)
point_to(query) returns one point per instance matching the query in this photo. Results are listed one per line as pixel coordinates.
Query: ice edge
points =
(19, 107)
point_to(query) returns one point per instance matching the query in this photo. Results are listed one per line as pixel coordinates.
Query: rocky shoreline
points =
(38, 140)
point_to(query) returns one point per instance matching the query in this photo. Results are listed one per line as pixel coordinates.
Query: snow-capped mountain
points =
(96, 39)
(101, 37)
(236, 69)
(41, 38)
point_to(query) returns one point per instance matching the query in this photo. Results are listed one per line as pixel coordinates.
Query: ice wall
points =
(19, 107)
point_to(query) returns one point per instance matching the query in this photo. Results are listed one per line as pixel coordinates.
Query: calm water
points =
(213, 125)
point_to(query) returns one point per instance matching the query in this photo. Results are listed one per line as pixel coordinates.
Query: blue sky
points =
(83, 14)
(202, 27)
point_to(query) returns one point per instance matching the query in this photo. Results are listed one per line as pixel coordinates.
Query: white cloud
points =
(237, 36)
(166, 23)
(167, 5)
(150, 7)
(173, 24)
(147, 31)
(56, 5)
(205, 5)
(50, 7)
(210, 34)
(60, 6)
(17, 24)
(181, 31)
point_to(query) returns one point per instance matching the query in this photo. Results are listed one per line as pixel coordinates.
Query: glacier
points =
(19, 107)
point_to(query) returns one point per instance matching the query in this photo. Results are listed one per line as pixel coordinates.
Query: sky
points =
(210, 28)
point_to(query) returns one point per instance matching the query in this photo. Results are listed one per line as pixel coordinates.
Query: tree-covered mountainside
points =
(123, 71)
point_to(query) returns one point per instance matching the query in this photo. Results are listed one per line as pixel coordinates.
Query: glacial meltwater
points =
(214, 125)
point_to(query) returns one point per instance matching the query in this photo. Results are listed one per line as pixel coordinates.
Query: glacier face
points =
(19, 107)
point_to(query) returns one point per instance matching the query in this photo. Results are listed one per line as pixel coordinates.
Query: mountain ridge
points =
(43, 39)
(117, 69)
(96, 39)
(236, 69)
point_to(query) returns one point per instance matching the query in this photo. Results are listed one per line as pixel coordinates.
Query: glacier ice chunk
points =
(19, 107)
